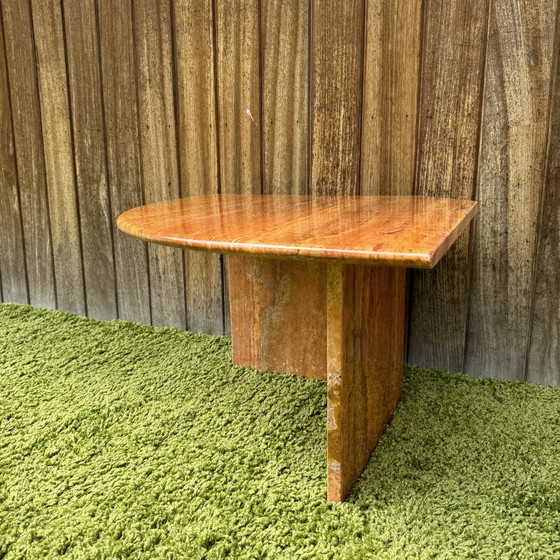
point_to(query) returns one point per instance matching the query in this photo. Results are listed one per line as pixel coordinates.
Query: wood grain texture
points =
(390, 104)
(12, 254)
(337, 45)
(123, 154)
(450, 113)
(158, 138)
(397, 231)
(84, 78)
(59, 155)
(239, 108)
(198, 151)
(365, 346)
(358, 63)
(26, 118)
(511, 176)
(279, 315)
(543, 359)
(237, 28)
(285, 81)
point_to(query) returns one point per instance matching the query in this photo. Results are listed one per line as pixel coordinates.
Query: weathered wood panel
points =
(543, 360)
(239, 94)
(288, 97)
(285, 78)
(123, 154)
(511, 176)
(28, 136)
(450, 112)
(337, 48)
(390, 105)
(391, 88)
(89, 149)
(12, 252)
(198, 151)
(239, 109)
(59, 155)
(158, 141)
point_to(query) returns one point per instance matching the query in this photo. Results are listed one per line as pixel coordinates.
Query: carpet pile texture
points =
(119, 440)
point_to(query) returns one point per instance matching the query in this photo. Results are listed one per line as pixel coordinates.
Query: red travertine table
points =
(317, 288)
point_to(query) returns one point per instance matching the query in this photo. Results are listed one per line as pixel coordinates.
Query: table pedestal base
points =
(340, 322)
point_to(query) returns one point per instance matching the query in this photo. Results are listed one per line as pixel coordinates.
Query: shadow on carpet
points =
(119, 440)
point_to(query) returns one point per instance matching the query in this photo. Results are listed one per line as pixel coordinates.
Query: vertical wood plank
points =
(59, 157)
(239, 95)
(89, 148)
(12, 254)
(543, 361)
(450, 113)
(390, 106)
(511, 176)
(152, 35)
(391, 89)
(285, 71)
(337, 45)
(123, 154)
(198, 151)
(26, 114)
(238, 62)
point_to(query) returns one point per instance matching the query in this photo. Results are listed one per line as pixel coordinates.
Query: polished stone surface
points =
(411, 231)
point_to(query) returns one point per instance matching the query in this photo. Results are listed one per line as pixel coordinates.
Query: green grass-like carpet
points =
(119, 440)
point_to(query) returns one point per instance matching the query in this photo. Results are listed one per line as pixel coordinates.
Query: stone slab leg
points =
(279, 315)
(365, 346)
(339, 322)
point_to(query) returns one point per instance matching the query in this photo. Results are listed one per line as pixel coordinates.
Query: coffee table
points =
(317, 288)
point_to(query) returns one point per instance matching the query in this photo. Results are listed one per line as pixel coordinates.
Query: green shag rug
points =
(119, 440)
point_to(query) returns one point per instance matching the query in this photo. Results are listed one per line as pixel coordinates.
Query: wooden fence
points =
(106, 104)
